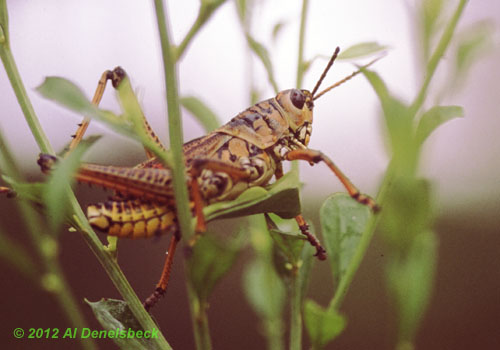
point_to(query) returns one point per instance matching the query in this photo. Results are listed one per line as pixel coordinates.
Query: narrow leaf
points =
(281, 198)
(122, 326)
(288, 245)
(473, 42)
(343, 221)
(55, 195)
(264, 289)
(361, 50)
(210, 260)
(70, 96)
(207, 118)
(410, 280)
(435, 117)
(322, 325)
(264, 57)
(277, 29)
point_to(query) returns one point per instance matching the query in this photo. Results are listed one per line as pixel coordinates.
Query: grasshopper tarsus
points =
(154, 298)
(46, 162)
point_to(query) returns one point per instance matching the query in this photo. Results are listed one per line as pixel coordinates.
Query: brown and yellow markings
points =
(131, 218)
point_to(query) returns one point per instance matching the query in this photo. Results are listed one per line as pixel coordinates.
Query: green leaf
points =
(322, 325)
(241, 8)
(473, 42)
(277, 29)
(343, 221)
(361, 50)
(29, 191)
(264, 290)
(17, 256)
(407, 211)
(264, 57)
(289, 245)
(115, 316)
(207, 118)
(281, 198)
(55, 195)
(399, 122)
(210, 260)
(410, 280)
(435, 117)
(70, 96)
(430, 13)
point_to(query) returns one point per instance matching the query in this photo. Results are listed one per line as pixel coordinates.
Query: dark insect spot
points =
(298, 98)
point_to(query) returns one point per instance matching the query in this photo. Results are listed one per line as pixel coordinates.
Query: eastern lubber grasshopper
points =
(247, 151)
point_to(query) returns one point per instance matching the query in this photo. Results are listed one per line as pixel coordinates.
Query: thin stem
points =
(391, 172)
(52, 279)
(116, 275)
(17, 83)
(300, 56)
(296, 290)
(106, 259)
(174, 125)
(206, 10)
(364, 242)
(437, 55)
(199, 320)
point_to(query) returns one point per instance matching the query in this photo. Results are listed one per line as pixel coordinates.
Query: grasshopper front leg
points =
(313, 157)
(303, 226)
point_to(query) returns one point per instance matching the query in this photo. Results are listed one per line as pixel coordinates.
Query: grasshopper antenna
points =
(345, 79)
(334, 56)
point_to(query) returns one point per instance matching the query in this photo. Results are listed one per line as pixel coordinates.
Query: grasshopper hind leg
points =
(161, 286)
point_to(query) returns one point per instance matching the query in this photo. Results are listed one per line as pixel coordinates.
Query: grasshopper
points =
(247, 151)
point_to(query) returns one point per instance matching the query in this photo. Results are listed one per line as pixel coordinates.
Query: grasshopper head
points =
(298, 106)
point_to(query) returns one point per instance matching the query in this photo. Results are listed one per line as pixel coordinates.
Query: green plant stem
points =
(17, 83)
(110, 265)
(437, 55)
(364, 242)
(174, 125)
(391, 172)
(52, 279)
(300, 56)
(296, 292)
(199, 320)
(106, 258)
(206, 10)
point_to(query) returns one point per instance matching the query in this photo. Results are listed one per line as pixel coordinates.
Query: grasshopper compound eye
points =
(298, 98)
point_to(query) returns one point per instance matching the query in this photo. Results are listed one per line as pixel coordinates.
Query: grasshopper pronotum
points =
(247, 151)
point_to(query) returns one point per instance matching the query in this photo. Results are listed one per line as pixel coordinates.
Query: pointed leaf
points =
(207, 118)
(264, 57)
(288, 246)
(29, 191)
(361, 50)
(434, 117)
(343, 222)
(473, 42)
(60, 181)
(115, 316)
(410, 279)
(70, 96)
(281, 198)
(264, 290)
(277, 29)
(209, 261)
(322, 325)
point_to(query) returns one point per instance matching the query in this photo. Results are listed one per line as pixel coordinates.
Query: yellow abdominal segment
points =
(131, 218)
